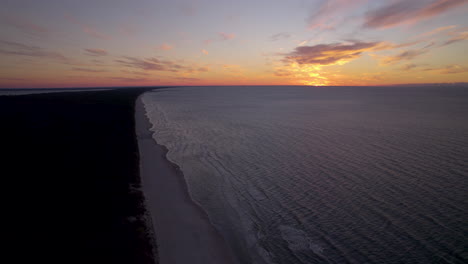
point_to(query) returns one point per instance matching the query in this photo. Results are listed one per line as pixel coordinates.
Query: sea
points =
(295, 174)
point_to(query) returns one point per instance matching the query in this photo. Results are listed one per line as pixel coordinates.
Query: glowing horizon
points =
(54, 43)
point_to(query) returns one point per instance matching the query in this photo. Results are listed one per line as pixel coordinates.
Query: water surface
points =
(324, 175)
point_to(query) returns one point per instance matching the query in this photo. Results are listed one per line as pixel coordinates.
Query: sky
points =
(95, 43)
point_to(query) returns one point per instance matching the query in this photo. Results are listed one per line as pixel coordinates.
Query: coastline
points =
(183, 231)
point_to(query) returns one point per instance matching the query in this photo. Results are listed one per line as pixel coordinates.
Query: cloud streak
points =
(330, 54)
(328, 14)
(456, 37)
(449, 69)
(404, 12)
(282, 35)
(88, 70)
(226, 36)
(128, 79)
(96, 52)
(222, 36)
(166, 46)
(18, 49)
(155, 64)
(24, 25)
(403, 56)
(88, 29)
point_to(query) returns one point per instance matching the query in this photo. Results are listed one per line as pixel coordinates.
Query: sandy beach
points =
(183, 231)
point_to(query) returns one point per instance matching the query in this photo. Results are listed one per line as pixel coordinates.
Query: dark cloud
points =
(404, 11)
(329, 54)
(155, 64)
(282, 35)
(95, 52)
(19, 49)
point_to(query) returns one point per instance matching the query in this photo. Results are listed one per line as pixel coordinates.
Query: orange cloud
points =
(204, 51)
(403, 12)
(166, 46)
(226, 36)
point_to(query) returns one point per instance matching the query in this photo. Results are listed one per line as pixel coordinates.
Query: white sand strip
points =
(183, 231)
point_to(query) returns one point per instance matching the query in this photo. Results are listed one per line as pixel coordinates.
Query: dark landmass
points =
(71, 181)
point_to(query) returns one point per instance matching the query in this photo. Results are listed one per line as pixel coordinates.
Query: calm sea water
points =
(324, 175)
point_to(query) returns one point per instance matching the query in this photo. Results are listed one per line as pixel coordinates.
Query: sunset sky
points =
(69, 43)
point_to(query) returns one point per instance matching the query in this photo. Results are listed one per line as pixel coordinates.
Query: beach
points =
(184, 233)
(92, 186)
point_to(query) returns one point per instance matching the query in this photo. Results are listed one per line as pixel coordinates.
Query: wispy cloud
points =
(128, 79)
(149, 64)
(449, 69)
(87, 70)
(155, 64)
(328, 16)
(226, 36)
(187, 79)
(282, 35)
(404, 12)
(96, 52)
(19, 49)
(135, 73)
(165, 46)
(204, 51)
(222, 36)
(409, 66)
(24, 25)
(403, 56)
(436, 31)
(88, 29)
(330, 54)
(456, 37)
(128, 30)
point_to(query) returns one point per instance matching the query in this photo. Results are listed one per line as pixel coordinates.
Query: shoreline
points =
(183, 231)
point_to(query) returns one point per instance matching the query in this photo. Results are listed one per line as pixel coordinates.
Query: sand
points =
(183, 231)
